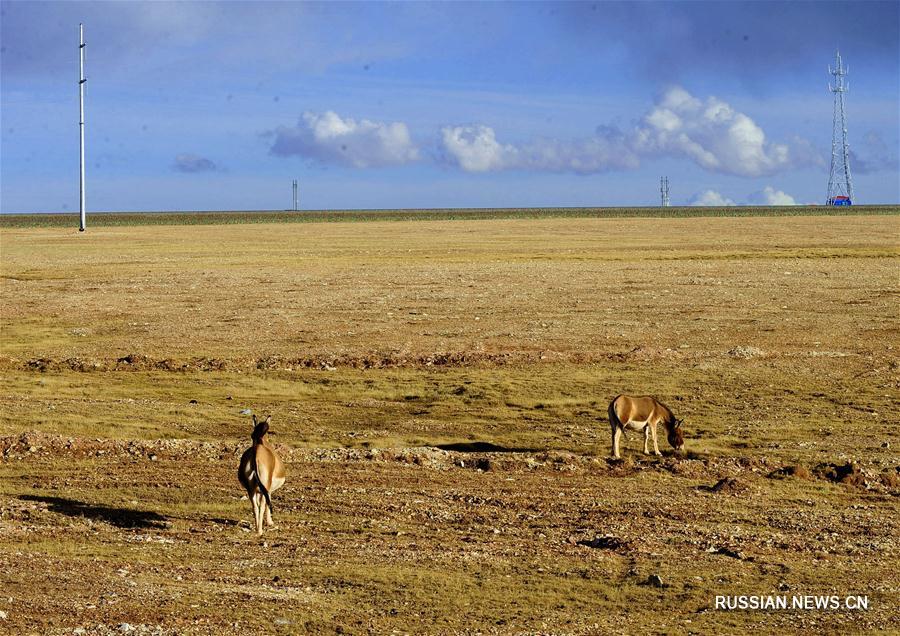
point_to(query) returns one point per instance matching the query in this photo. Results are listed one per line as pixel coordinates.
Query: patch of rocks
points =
(729, 552)
(796, 471)
(852, 474)
(605, 542)
(34, 444)
(655, 580)
(115, 630)
(727, 486)
(745, 352)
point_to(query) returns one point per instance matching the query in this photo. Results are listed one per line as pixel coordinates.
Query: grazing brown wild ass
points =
(261, 473)
(643, 413)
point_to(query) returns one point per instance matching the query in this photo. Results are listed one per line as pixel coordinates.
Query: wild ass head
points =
(676, 435)
(260, 429)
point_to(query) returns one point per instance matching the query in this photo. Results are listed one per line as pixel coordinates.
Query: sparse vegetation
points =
(439, 391)
(113, 219)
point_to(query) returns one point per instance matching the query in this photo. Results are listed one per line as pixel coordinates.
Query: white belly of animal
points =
(277, 483)
(636, 426)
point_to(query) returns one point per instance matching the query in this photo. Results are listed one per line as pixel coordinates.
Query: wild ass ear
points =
(268, 419)
(254, 419)
(678, 423)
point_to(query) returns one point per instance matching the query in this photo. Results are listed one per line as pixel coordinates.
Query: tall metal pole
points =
(81, 82)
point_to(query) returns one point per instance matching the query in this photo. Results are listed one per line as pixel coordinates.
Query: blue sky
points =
(219, 105)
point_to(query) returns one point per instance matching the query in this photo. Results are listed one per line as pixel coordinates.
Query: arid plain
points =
(439, 390)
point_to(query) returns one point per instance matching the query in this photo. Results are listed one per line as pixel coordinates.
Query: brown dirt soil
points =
(439, 395)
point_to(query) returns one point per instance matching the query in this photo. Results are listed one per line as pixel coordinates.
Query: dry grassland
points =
(439, 390)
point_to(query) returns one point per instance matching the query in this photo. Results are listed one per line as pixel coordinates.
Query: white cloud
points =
(710, 133)
(476, 149)
(771, 196)
(710, 198)
(329, 138)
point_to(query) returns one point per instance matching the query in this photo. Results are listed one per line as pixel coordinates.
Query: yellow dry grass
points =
(775, 337)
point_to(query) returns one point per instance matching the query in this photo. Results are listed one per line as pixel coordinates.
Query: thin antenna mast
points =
(840, 183)
(81, 82)
(296, 198)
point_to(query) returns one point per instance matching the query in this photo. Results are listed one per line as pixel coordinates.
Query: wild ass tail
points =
(262, 488)
(614, 421)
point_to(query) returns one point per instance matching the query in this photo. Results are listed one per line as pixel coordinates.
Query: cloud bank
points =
(329, 138)
(710, 198)
(711, 134)
(708, 132)
(475, 148)
(767, 196)
(771, 196)
(666, 40)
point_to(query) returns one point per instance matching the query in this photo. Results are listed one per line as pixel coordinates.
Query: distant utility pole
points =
(840, 185)
(81, 82)
(664, 190)
(296, 195)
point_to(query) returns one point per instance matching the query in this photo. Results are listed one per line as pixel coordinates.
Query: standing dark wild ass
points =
(261, 473)
(643, 414)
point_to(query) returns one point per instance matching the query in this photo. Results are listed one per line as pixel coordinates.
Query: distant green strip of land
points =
(110, 219)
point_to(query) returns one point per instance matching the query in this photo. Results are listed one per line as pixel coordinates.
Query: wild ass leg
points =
(269, 521)
(258, 502)
(655, 445)
(647, 439)
(616, 434)
(252, 498)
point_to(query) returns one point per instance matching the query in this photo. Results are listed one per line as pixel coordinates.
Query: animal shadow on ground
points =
(484, 447)
(119, 517)
(224, 522)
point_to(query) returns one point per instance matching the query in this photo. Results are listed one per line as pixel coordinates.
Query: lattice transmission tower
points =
(840, 184)
(664, 191)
